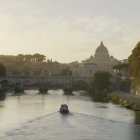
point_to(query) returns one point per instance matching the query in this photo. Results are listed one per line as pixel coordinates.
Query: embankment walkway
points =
(129, 97)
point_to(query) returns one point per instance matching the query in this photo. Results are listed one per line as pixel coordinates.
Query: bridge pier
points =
(43, 87)
(68, 85)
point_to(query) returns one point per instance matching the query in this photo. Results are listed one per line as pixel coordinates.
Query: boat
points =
(64, 109)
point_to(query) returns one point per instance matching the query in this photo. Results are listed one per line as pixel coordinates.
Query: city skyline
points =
(66, 31)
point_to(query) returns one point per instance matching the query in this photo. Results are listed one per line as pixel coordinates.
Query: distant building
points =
(102, 59)
(29, 64)
(84, 70)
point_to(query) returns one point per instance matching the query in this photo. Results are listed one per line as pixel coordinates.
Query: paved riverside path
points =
(129, 97)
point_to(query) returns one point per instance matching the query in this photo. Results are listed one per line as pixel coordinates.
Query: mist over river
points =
(35, 117)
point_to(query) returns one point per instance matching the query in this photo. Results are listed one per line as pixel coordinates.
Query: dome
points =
(102, 49)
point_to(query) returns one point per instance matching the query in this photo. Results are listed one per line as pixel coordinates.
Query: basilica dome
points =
(102, 59)
(101, 50)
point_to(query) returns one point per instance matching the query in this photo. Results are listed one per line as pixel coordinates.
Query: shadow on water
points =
(68, 94)
(101, 107)
(1, 106)
(137, 118)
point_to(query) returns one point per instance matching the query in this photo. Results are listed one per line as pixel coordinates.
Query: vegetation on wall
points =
(134, 62)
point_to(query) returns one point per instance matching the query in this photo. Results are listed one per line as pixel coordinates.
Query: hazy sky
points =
(68, 30)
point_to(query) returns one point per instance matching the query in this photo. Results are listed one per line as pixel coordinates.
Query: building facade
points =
(86, 70)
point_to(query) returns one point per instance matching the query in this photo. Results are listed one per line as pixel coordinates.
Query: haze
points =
(69, 30)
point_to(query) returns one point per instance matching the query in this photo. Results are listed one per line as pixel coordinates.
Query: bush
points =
(115, 98)
(99, 96)
(136, 107)
(127, 104)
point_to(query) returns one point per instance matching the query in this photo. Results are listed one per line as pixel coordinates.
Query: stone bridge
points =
(49, 81)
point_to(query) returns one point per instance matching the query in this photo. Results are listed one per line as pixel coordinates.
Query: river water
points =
(36, 117)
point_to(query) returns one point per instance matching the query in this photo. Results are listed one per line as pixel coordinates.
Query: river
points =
(35, 117)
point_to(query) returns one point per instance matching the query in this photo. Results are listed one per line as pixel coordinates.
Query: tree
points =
(20, 59)
(2, 70)
(39, 57)
(28, 58)
(134, 62)
(101, 81)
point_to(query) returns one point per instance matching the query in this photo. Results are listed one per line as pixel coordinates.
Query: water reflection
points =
(1, 105)
(137, 118)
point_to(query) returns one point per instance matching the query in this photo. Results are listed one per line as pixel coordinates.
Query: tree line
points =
(20, 59)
